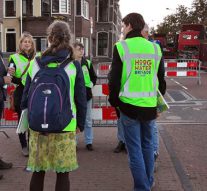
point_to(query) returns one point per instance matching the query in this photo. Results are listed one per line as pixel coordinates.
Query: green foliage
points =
(183, 15)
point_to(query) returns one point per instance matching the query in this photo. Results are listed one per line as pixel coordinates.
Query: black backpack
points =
(49, 105)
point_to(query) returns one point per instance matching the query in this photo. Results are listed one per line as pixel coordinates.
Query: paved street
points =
(182, 164)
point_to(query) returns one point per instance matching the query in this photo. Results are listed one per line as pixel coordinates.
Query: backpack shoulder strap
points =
(37, 58)
(65, 62)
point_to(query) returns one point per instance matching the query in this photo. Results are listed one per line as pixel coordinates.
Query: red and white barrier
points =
(183, 68)
(181, 73)
(100, 112)
(104, 113)
(181, 64)
(103, 68)
(100, 90)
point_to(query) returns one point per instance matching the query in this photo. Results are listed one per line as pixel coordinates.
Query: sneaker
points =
(25, 151)
(120, 147)
(5, 165)
(1, 176)
(89, 147)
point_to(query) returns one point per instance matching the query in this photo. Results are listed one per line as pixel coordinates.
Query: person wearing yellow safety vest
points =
(56, 151)
(90, 81)
(145, 34)
(20, 63)
(134, 80)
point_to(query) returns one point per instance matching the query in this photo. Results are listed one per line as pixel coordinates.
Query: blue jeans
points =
(88, 131)
(120, 132)
(139, 142)
(155, 138)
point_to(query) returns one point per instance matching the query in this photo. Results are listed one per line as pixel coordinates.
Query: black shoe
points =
(120, 147)
(1, 176)
(89, 147)
(5, 165)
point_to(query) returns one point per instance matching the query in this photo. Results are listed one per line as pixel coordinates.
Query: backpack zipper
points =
(61, 101)
(45, 110)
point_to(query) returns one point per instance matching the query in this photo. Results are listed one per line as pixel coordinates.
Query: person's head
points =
(132, 21)
(145, 31)
(26, 44)
(78, 50)
(58, 37)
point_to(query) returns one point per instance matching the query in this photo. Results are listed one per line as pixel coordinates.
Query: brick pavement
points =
(100, 170)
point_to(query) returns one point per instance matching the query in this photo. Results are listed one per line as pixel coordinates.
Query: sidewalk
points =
(100, 170)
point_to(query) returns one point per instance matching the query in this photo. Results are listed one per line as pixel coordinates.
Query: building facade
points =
(96, 23)
(1, 22)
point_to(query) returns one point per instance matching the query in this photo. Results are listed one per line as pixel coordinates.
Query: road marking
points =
(179, 84)
(181, 123)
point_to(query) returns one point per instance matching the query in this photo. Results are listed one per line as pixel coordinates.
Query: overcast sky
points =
(153, 11)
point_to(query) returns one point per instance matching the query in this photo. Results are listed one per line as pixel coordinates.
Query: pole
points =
(91, 32)
(20, 17)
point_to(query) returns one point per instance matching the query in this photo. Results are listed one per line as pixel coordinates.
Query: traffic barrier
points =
(103, 69)
(102, 113)
(9, 117)
(183, 68)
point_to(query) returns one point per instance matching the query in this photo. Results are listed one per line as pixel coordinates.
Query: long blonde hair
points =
(32, 51)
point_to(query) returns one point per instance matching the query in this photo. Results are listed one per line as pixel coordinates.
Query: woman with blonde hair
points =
(20, 62)
(51, 147)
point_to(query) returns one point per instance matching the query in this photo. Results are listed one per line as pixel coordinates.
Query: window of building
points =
(27, 7)
(10, 8)
(60, 6)
(10, 40)
(46, 7)
(40, 43)
(85, 42)
(82, 8)
(86, 10)
(103, 11)
(102, 43)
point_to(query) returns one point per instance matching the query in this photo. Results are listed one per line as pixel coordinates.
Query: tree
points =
(173, 22)
(198, 12)
(183, 15)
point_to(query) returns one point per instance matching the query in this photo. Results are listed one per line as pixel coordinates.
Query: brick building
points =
(96, 23)
(1, 21)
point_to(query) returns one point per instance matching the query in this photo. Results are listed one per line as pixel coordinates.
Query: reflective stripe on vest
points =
(86, 74)
(127, 57)
(21, 63)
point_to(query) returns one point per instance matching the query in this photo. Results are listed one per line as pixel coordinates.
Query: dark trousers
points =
(1, 108)
(22, 136)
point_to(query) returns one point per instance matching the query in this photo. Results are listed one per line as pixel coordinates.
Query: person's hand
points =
(11, 71)
(78, 130)
(7, 79)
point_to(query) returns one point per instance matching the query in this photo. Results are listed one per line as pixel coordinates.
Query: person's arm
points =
(24, 101)
(114, 78)
(161, 77)
(2, 71)
(80, 97)
(92, 74)
(15, 80)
